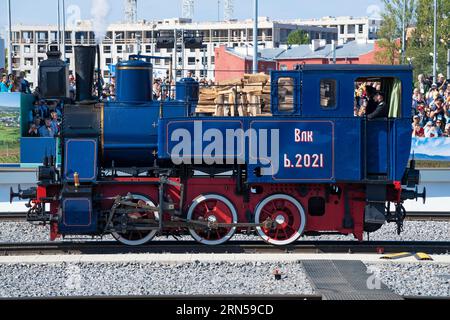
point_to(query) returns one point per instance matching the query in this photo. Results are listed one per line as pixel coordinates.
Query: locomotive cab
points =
(372, 150)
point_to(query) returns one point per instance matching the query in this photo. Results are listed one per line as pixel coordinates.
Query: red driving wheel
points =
(288, 219)
(212, 208)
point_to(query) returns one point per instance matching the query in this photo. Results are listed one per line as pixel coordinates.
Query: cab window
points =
(367, 99)
(286, 94)
(328, 93)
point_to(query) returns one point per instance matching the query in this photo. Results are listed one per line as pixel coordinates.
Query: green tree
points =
(390, 33)
(298, 37)
(420, 43)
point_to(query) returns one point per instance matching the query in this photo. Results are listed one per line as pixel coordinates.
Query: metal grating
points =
(346, 280)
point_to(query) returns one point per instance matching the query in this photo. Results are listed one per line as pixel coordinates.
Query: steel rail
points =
(431, 215)
(188, 246)
(13, 216)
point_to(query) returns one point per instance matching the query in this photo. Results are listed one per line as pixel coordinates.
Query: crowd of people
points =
(431, 107)
(45, 118)
(163, 89)
(13, 83)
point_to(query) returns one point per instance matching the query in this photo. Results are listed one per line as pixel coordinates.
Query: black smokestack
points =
(84, 71)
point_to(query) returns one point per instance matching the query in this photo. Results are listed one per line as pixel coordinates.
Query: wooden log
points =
(255, 87)
(210, 96)
(232, 100)
(207, 91)
(219, 110)
(236, 81)
(241, 105)
(226, 91)
(254, 78)
(254, 105)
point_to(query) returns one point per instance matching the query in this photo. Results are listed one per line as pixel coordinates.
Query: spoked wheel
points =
(288, 219)
(213, 208)
(138, 237)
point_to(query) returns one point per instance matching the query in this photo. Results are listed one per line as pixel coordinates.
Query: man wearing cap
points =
(381, 110)
(371, 104)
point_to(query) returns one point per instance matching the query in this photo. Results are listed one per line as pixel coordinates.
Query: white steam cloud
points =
(99, 11)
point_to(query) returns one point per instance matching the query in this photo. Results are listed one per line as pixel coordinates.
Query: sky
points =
(45, 11)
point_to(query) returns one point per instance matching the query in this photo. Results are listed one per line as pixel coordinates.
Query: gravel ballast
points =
(130, 279)
(200, 278)
(413, 231)
(414, 279)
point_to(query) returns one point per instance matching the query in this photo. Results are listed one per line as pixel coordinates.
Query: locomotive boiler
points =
(136, 167)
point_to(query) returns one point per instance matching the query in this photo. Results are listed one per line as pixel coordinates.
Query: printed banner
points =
(436, 149)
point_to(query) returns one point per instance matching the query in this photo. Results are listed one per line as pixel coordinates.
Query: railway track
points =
(320, 246)
(433, 216)
(13, 216)
(412, 216)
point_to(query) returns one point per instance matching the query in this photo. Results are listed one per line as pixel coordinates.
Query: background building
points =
(30, 42)
(318, 52)
(349, 28)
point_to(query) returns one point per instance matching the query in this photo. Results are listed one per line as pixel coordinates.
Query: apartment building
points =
(30, 42)
(361, 29)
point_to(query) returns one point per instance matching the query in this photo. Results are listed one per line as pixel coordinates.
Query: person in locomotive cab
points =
(24, 84)
(47, 129)
(43, 107)
(54, 122)
(33, 131)
(382, 110)
(371, 104)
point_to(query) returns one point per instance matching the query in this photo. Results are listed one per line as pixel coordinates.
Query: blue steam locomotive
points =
(136, 167)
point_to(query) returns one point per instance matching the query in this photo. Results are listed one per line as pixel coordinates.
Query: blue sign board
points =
(305, 151)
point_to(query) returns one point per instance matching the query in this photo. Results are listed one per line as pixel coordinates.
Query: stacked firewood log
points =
(247, 96)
